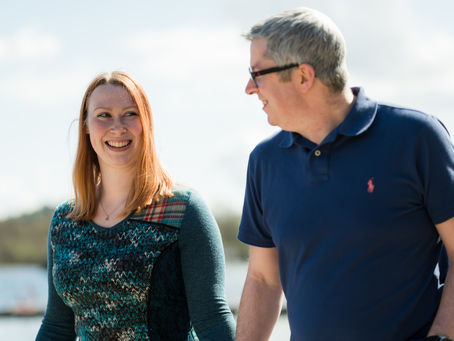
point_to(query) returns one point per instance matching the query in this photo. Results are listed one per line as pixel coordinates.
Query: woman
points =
(131, 258)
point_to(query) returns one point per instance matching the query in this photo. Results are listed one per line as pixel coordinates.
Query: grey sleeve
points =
(58, 322)
(203, 267)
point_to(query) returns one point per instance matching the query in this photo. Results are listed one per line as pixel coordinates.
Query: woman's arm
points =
(58, 322)
(203, 267)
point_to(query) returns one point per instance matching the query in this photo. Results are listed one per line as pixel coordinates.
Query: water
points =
(19, 328)
(23, 289)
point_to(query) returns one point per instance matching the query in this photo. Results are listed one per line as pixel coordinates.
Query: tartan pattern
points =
(169, 211)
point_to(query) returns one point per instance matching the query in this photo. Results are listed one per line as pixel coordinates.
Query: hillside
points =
(23, 239)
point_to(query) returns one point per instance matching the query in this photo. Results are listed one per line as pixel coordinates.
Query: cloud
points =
(44, 89)
(28, 44)
(187, 53)
(45, 184)
(430, 55)
(3, 49)
(17, 197)
(405, 61)
(36, 89)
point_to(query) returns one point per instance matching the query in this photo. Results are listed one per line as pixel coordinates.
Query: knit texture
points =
(104, 274)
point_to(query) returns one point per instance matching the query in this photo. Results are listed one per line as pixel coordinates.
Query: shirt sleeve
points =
(253, 228)
(436, 166)
(203, 267)
(58, 322)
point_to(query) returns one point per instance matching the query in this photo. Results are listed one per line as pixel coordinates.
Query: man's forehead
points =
(258, 54)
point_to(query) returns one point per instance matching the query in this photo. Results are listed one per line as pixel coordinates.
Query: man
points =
(346, 207)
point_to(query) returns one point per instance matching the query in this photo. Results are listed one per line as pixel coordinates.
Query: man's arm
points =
(444, 320)
(261, 300)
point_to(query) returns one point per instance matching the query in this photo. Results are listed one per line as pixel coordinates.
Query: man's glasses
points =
(255, 74)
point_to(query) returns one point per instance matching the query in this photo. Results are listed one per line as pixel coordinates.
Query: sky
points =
(192, 61)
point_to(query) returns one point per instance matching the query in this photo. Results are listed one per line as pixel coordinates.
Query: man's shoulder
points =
(408, 119)
(404, 114)
(271, 144)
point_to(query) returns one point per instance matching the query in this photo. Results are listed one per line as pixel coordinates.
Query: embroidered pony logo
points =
(370, 185)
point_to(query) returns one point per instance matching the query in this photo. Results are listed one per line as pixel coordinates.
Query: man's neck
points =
(327, 110)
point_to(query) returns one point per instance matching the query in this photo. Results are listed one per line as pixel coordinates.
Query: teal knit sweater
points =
(156, 275)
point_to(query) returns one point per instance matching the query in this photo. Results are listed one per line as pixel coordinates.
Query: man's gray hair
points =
(304, 35)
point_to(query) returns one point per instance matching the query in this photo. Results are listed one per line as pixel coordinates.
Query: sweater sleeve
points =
(203, 266)
(58, 322)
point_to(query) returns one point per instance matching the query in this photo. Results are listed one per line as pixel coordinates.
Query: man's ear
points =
(306, 76)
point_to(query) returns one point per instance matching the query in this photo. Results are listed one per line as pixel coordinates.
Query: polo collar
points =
(287, 139)
(361, 115)
(358, 120)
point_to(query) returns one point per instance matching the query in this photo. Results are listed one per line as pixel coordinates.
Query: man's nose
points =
(251, 88)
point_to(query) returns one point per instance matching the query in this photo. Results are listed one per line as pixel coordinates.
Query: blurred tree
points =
(23, 239)
(228, 222)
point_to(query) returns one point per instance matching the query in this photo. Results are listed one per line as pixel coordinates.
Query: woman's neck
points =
(113, 192)
(115, 186)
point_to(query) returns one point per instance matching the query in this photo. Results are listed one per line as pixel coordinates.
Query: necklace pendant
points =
(107, 217)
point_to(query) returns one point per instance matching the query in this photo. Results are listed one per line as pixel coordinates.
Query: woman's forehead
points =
(109, 96)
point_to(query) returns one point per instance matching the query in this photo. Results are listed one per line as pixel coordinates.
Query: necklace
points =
(108, 214)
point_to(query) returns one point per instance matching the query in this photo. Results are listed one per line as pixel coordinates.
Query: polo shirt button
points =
(317, 152)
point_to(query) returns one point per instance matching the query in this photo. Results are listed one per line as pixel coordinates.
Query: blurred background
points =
(192, 61)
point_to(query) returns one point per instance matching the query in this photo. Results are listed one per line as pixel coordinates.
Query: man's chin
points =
(272, 122)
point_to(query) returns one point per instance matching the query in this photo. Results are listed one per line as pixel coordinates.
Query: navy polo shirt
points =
(353, 222)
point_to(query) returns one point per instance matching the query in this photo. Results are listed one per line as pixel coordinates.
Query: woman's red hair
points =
(151, 182)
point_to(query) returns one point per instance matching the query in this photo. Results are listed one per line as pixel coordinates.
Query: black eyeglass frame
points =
(255, 74)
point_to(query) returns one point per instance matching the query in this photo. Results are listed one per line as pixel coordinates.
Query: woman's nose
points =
(118, 125)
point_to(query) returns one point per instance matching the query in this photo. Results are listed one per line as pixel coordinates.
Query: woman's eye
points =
(103, 114)
(131, 113)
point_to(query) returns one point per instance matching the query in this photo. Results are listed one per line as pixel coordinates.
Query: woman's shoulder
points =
(170, 210)
(181, 193)
(60, 221)
(191, 198)
(182, 196)
(63, 209)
